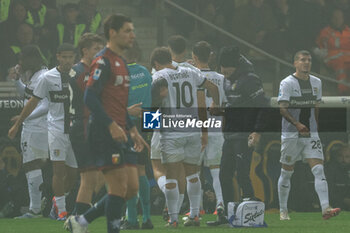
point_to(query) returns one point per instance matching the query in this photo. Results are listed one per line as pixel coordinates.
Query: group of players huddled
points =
(89, 116)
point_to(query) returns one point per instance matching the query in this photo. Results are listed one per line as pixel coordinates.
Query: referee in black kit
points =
(244, 117)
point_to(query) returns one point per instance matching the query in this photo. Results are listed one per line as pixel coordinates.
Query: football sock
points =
(181, 200)
(132, 211)
(194, 194)
(216, 185)
(81, 208)
(113, 211)
(284, 188)
(172, 200)
(321, 185)
(34, 179)
(97, 210)
(161, 183)
(61, 204)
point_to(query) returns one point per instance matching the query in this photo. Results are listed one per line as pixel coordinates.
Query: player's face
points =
(303, 64)
(66, 60)
(91, 52)
(227, 71)
(124, 37)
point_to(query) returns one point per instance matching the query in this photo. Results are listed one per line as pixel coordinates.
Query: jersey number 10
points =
(181, 96)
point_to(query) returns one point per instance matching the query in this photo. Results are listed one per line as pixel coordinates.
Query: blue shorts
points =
(108, 153)
(81, 146)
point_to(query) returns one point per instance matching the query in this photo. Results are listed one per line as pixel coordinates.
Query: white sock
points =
(284, 188)
(82, 221)
(161, 183)
(321, 185)
(34, 179)
(181, 200)
(61, 204)
(194, 194)
(217, 185)
(172, 200)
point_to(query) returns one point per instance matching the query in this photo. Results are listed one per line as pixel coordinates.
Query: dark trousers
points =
(236, 156)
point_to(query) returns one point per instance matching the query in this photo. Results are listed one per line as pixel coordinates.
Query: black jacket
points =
(246, 108)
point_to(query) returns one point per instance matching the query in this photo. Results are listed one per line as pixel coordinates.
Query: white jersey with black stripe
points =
(182, 93)
(218, 80)
(35, 123)
(55, 87)
(302, 96)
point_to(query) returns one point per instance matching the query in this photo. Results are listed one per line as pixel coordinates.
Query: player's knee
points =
(286, 175)
(318, 170)
(194, 178)
(171, 183)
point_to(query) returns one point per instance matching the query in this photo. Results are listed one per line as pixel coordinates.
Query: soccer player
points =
(174, 89)
(177, 46)
(213, 151)
(298, 99)
(34, 142)
(90, 178)
(111, 128)
(54, 85)
(139, 98)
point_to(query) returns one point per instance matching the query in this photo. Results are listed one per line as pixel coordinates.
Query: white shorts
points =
(213, 151)
(295, 149)
(34, 146)
(155, 146)
(61, 148)
(185, 149)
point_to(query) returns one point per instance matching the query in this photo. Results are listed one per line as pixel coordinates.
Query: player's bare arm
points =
(213, 91)
(285, 113)
(202, 113)
(140, 143)
(27, 110)
(135, 110)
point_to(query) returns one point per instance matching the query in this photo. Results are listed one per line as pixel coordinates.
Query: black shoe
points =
(219, 221)
(147, 225)
(128, 226)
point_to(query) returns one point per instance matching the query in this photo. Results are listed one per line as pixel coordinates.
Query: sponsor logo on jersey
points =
(97, 74)
(56, 152)
(117, 64)
(115, 158)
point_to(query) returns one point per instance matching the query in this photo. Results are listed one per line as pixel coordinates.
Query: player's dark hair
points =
(65, 47)
(202, 50)
(301, 52)
(115, 22)
(87, 40)
(161, 55)
(177, 44)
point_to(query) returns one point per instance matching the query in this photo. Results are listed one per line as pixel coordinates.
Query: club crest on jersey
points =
(152, 120)
(56, 152)
(97, 74)
(115, 158)
(315, 90)
(117, 64)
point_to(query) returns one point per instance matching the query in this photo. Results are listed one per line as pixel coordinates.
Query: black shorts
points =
(80, 146)
(108, 153)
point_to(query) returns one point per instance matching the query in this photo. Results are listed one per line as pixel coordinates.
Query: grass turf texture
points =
(300, 222)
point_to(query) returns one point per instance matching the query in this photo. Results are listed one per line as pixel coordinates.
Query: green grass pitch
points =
(299, 223)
